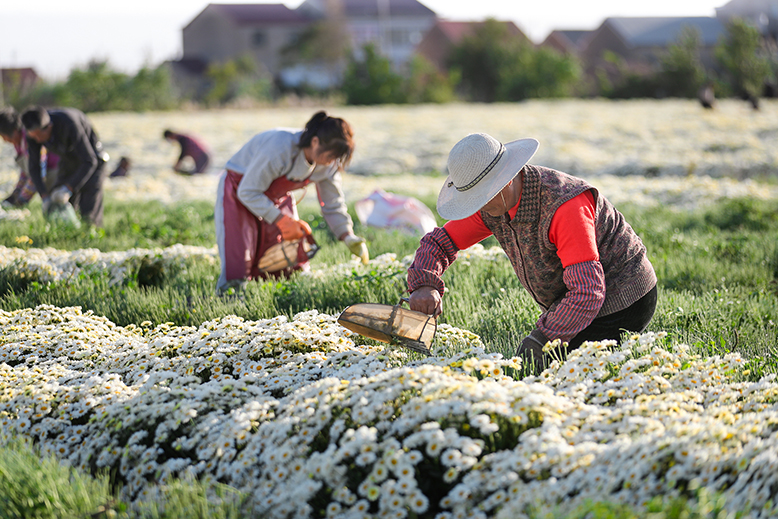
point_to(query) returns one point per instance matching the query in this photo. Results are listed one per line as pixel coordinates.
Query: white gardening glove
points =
(357, 246)
(61, 195)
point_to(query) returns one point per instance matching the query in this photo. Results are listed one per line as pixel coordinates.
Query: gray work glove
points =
(531, 350)
(358, 247)
(61, 195)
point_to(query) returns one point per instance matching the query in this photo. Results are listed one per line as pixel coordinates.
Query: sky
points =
(54, 36)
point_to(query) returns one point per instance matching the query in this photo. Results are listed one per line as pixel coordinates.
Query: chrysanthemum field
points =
(117, 359)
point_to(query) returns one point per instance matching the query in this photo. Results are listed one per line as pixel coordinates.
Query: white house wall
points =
(395, 37)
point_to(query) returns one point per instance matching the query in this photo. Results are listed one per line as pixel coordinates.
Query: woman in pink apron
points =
(255, 209)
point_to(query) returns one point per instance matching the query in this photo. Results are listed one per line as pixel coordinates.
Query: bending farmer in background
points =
(190, 147)
(571, 249)
(12, 131)
(68, 133)
(255, 208)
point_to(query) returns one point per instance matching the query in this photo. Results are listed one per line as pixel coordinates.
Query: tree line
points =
(490, 65)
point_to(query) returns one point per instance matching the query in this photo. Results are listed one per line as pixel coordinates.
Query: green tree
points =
(498, 66)
(151, 89)
(99, 88)
(371, 81)
(322, 48)
(426, 84)
(15, 93)
(233, 79)
(682, 73)
(325, 41)
(481, 57)
(538, 73)
(96, 88)
(616, 80)
(741, 57)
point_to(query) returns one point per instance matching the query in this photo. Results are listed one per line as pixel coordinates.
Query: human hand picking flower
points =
(357, 246)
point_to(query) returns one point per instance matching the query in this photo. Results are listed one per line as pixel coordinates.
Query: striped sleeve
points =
(577, 309)
(435, 254)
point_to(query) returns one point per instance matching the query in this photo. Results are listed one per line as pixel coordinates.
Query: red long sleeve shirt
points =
(572, 231)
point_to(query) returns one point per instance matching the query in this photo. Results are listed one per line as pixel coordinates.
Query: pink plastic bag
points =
(391, 211)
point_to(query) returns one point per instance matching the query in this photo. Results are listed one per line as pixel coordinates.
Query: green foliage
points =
(682, 73)
(93, 89)
(740, 55)
(191, 499)
(633, 85)
(370, 80)
(234, 79)
(480, 59)
(717, 270)
(98, 87)
(426, 84)
(743, 214)
(539, 73)
(326, 40)
(125, 226)
(497, 66)
(704, 506)
(617, 81)
(20, 96)
(40, 487)
(151, 89)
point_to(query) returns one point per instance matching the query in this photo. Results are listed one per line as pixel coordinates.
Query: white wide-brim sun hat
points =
(479, 167)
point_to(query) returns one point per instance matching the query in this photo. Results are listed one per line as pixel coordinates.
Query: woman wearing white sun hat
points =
(571, 249)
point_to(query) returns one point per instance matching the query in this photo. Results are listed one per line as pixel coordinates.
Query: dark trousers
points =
(634, 318)
(88, 200)
(201, 162)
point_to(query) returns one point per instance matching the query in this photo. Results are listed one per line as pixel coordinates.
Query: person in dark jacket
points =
(122, 169)
(12, 132)
(570, 248)
(190, 147)
(68, 133)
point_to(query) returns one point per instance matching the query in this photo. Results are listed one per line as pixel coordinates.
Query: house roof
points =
(657, 32)
(455, 31)
(247, 14)
(567, 40)
(370, 8)
(749, 6)
(574, 36)
(26, 73)
(18, 76)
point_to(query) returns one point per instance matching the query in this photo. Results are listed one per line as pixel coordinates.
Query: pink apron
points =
(247, 237)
